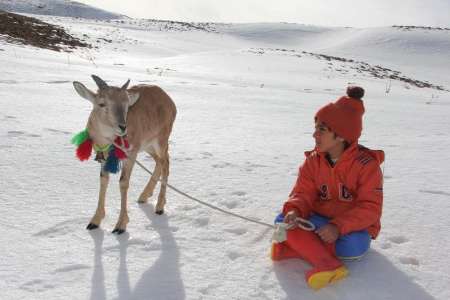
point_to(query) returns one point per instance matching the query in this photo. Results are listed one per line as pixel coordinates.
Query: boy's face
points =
(326, 140)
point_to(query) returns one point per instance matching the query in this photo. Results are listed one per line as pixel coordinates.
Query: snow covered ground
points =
(245, 117)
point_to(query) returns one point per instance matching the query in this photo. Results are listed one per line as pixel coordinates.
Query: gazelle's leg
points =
(150, 187)
(159, 209)
(124, 183)
(100, 212)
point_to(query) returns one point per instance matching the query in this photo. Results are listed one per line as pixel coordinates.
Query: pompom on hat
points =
(344, 117)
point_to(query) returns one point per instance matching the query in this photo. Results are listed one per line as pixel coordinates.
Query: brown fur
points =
(149, 124)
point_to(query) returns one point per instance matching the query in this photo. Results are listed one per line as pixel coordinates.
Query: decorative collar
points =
(110, 153)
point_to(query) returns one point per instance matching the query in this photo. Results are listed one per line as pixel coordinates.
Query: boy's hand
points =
(290, 217)
(329, 233)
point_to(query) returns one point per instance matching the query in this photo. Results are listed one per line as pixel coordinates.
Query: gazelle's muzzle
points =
(123, 130)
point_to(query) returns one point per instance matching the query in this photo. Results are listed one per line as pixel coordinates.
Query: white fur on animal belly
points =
(153, 147)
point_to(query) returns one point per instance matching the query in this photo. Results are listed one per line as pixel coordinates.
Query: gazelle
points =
(145, 115)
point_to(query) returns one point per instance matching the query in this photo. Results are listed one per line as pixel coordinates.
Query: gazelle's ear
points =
(133, 96)
(125, 86)
(84, 91)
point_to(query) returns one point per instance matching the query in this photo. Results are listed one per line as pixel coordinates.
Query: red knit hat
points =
(344, 117)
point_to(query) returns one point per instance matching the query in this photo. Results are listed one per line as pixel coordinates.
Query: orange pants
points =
(309, 247)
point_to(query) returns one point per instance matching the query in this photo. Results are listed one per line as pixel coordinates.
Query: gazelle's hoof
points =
(118, 231)
(91, 226)
(143, 198)
(159, 212)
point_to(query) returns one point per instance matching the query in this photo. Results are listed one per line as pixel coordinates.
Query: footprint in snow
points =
(57, 131)
(230, 204)
(435, 192)
(385, 245)
(239, 193)
(15, 133)
(71, 268)
(239, 85)
(182, 159)
(188, 207)
(398, 239)
(202, 222)
(62, 229)
(254, 165)
(36, 285)
(126, 241)
(206, 290)
(221, 166)
(236, 231)
(406, 260)
(233, 254)
(153, 247)
(265, 282)
(206, 155)
(8, 81)
(57, 81)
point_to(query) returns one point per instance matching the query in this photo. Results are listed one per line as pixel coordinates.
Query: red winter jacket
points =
(350, 193)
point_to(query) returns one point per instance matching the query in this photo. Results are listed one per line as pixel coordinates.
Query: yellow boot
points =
(317, 279)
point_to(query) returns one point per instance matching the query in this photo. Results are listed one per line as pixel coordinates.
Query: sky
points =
(354, 13)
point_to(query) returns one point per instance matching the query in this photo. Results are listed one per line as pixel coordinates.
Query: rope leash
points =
(280, 228)
(207, 204)
(280, 233)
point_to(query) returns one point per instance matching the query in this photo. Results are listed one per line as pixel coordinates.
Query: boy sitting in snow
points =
(339, 189)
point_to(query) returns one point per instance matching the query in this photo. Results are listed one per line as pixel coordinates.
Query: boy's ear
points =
(340, 139)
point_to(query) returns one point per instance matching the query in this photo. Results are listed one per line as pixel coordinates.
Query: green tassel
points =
(80, 137)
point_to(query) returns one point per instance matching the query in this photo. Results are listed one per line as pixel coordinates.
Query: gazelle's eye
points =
(102, 105)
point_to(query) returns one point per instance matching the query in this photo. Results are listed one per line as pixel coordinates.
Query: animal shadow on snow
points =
(372, 278)
(161, 281)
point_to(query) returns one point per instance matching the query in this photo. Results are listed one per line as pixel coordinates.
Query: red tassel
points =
(119, 153)
(84, 150)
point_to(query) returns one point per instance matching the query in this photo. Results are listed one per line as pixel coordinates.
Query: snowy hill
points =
(409, 49)
(63, 8)
(246, 95)
(422, 50)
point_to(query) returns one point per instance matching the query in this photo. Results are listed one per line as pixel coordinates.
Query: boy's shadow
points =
(374, 277)
(161, 281)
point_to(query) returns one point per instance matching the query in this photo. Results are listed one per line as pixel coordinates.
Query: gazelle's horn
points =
(125, 86)
(100, 83)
